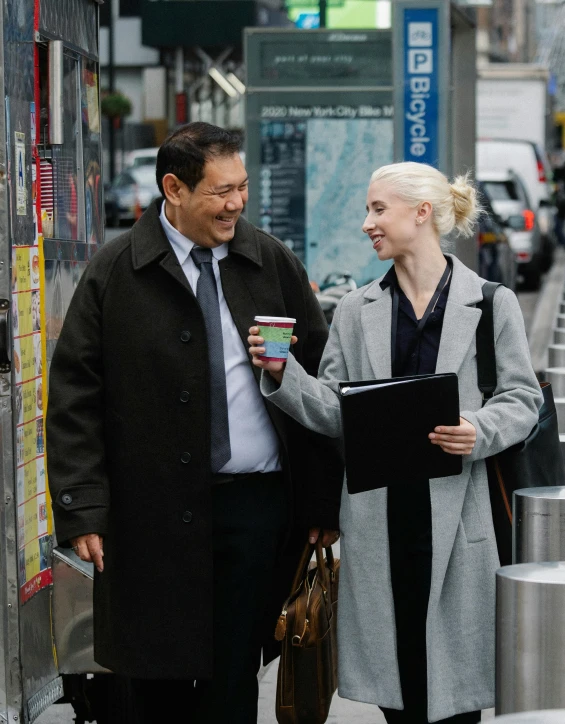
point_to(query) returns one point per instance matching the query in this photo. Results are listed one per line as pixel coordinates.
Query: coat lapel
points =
(376, 319)
(460, 320)
(150, 244)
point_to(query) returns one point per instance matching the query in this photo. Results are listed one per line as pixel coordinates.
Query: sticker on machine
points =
(21, 201)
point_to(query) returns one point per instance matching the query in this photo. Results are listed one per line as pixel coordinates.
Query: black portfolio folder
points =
(386, 424)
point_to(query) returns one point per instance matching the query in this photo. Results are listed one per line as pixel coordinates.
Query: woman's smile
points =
(376, 239)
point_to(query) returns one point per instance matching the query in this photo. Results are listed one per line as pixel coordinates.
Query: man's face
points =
(208, 215)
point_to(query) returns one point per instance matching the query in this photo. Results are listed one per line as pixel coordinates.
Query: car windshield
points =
(144, 175)
(145, 161)
(501, 190)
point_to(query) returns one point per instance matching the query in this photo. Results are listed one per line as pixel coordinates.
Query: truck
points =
(513, 102)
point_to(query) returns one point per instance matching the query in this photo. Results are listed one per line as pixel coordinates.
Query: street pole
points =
(111, 88)
(323, 5)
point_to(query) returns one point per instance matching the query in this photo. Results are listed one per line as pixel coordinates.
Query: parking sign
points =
(420, 113)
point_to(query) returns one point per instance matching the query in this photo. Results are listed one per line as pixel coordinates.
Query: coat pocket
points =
(471, 518)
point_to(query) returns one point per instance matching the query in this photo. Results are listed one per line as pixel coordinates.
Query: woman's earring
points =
(418, 221)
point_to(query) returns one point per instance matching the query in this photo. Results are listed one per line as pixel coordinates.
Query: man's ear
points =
(172, 186)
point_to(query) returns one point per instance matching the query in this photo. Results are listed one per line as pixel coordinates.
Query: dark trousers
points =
(410, 536)
(250, 520)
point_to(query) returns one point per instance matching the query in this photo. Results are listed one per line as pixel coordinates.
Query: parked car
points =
(130, 194)
(142, 157)
(509, 198)
(531, 163)
(497, 260)
(524, 157)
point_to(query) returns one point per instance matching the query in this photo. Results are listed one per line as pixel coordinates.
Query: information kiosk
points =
(325, 108)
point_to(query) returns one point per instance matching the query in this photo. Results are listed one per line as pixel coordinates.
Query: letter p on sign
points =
(420, 61)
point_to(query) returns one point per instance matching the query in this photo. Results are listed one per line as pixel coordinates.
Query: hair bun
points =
(465, 204)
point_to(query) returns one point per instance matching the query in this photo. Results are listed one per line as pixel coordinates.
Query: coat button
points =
(187, 516)
(186, 457)
(184, 396)
(66, 499)
(185, 336)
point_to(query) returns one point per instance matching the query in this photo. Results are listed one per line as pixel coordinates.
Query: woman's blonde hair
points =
(455, 205)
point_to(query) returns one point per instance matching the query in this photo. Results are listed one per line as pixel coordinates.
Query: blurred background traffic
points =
(167, 63)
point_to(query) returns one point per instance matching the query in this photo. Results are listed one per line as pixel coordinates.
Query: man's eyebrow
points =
(230, 186)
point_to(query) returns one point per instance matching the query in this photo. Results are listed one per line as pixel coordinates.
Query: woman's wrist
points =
(277, 376)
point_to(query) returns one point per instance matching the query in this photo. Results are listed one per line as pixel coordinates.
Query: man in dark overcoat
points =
(191, 495)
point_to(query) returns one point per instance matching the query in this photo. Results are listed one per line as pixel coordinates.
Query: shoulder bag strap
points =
(486, 354)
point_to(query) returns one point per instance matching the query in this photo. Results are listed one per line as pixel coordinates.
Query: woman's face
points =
(390, 223)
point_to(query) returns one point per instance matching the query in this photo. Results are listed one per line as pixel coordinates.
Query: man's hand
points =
(90, 548)
(458, 440)
(328, 536)
(275, 369)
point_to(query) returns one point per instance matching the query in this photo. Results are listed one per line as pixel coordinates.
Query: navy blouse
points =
(423, 359)
(409, 511)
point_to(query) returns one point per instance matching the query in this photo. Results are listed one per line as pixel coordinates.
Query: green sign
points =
(339, 14)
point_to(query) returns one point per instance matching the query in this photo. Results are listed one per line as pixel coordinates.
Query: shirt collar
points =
(390, 279)
(182, 246)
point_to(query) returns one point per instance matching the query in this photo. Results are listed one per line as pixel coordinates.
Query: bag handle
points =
(486, 352)
(299, 578)
(323, 566)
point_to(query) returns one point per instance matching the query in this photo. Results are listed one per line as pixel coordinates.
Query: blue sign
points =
(421, 85)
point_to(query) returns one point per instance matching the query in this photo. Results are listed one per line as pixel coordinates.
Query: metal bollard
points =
(538, 525)
(556, 375)
(558, 336)
(549, 716)
(530, 637)
(556, 355)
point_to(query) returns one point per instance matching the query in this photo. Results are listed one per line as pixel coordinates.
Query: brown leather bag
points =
(307, 627)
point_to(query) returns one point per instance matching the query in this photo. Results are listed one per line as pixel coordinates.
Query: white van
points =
(530, 162)
(524, 157)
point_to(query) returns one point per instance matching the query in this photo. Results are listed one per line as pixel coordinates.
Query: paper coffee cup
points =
(276, 331)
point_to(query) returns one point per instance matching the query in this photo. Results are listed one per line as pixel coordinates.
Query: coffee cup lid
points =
(284, 320)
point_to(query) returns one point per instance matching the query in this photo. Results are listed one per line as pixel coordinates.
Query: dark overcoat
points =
(128, 440)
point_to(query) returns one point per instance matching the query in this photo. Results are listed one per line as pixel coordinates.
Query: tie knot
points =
(201, 256)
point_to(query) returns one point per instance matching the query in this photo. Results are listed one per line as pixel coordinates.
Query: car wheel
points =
(531, 275)
(547, 254)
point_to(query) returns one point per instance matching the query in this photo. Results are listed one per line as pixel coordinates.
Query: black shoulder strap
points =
(486, 354)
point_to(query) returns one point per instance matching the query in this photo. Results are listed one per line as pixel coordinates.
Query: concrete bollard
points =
(530, 637)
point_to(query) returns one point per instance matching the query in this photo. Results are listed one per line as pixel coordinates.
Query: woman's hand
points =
(458, 440)
(275, 369)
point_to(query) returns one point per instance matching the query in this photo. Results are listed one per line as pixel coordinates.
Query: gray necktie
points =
(207, 296)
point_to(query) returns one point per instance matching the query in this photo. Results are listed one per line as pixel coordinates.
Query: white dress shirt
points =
(253, 440)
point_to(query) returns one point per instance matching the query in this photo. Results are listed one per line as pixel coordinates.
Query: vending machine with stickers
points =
(50, 225)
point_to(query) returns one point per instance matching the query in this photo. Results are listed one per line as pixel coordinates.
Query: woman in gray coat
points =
(417, 592)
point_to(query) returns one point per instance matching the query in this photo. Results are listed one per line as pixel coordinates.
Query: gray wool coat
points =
(461, 612)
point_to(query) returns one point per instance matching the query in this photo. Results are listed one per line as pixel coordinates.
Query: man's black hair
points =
(186, 151)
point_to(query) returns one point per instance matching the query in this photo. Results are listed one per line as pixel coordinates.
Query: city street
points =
(176, 172)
